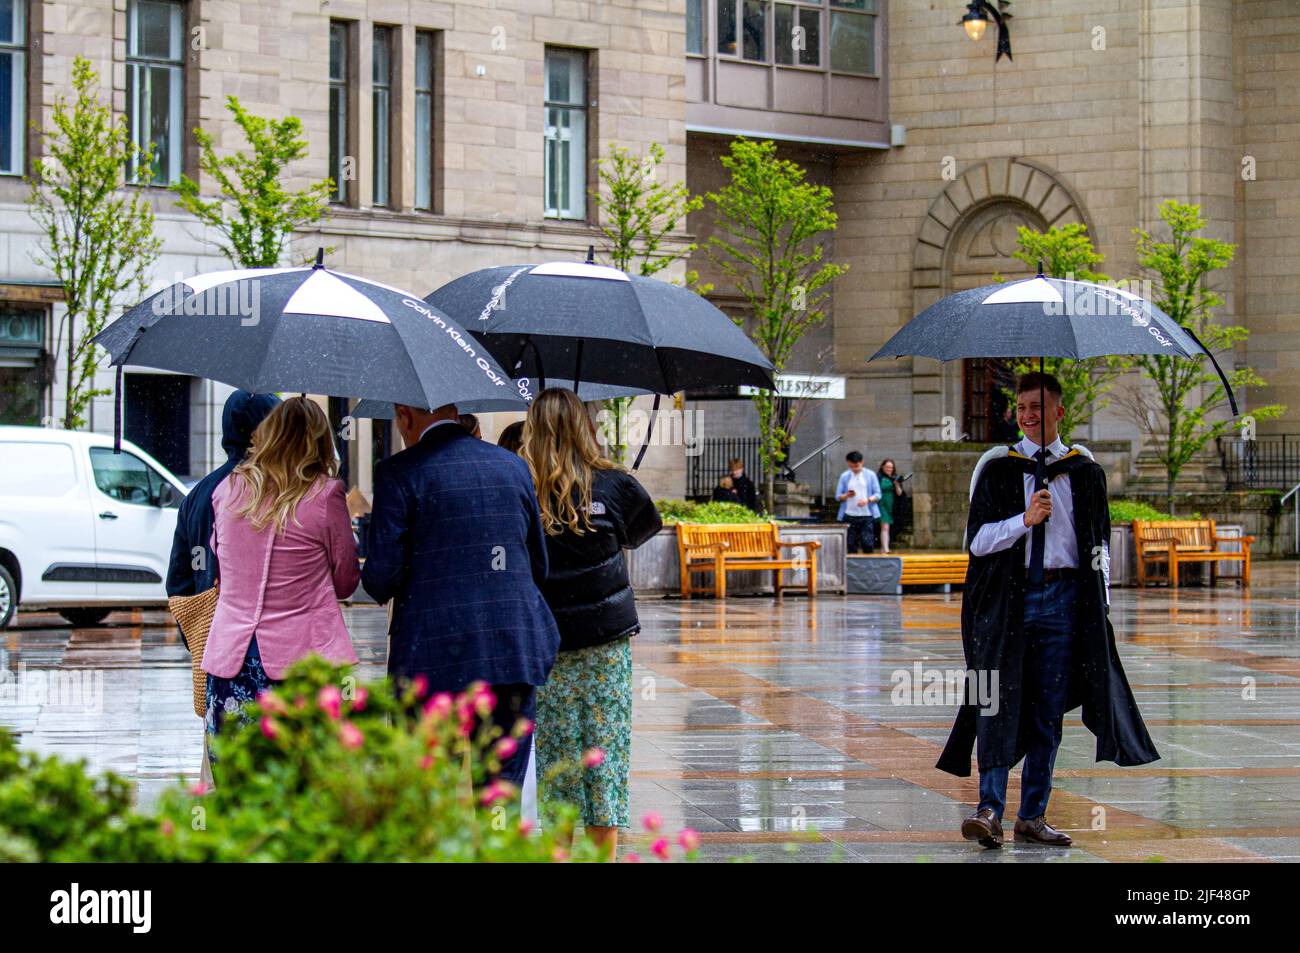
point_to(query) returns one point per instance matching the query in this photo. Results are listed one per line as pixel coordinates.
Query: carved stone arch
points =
(965, 238)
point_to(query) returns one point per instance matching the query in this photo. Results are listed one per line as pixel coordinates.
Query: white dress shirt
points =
(445, 420)
(1060, 544)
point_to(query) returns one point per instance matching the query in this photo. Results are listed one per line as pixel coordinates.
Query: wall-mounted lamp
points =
(976, 21)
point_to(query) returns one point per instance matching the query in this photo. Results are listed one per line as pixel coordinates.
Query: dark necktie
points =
(1038, 535)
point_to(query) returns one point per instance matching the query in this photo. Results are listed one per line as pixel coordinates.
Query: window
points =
(566, 134)
(340, 166)
(853, 36)
(23, 373)
(381, 76)
(128, 479)
(694, 26)
(424, 65)
(727, 27)
(798, 35)
(13, 85)
(155, 99)
(754, 31)
(37, 469)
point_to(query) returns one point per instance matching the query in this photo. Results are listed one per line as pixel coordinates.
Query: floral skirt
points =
(226, 696)
(587, 703)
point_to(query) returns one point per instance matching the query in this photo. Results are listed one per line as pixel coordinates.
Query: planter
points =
(654, 567)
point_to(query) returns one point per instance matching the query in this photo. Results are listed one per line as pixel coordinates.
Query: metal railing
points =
(1295, 518)
(1270, 461)
(705, 469)
(820, 452)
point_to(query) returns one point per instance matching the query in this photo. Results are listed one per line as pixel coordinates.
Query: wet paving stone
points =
(774, 728)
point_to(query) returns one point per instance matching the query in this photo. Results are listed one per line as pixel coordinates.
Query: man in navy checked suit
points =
(456, 542)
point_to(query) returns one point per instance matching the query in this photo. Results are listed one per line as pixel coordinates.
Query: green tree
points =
(772, 225)
(97, 238)
(638, 211)
(1179, 424)
(255, 214)
(1066, 251)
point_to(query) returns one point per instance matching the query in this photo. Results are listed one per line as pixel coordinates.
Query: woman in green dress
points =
(890, 487)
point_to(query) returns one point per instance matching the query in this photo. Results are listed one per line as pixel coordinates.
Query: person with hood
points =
(193, 567)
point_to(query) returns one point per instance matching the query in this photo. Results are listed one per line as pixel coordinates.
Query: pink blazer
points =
(285, 589)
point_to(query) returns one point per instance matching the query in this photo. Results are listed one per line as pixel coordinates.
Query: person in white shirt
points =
(1035, 627)
(859, 494)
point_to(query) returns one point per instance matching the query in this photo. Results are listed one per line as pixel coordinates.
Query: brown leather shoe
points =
(1037, 831)
(983, 826)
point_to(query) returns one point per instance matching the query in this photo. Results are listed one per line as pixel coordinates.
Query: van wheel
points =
(84, 618)
(8, 597)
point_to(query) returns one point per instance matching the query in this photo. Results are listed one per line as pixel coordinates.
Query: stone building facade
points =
(935, 154)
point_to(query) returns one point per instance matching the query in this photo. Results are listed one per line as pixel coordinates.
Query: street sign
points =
(817, 387)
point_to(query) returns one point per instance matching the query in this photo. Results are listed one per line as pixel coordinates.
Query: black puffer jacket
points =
(587, 585)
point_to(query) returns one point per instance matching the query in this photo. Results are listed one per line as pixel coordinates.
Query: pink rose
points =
(497, 791)
(350, 736)
(168, 828)
(632, 859)
(439, 706)
(689, 839)
(359, 699)
(330, 700)
(526, 827)
(660, 848)
(269, 727)
(593, 757)
(506, 748)
(199, 789)
(421, 686)
(426, 762)
(652, 821)
(484, 701)
(522, 729)
(271, 702)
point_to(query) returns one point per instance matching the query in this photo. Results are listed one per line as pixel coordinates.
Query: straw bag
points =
(194, 615)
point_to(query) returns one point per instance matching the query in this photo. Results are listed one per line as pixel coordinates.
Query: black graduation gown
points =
(992, 617)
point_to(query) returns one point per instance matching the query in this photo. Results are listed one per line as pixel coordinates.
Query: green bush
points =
(685, 511)
(323, 769)
(1126, 511)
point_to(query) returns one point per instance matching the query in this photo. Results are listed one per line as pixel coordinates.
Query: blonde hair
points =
(292, 451)
(561, 454)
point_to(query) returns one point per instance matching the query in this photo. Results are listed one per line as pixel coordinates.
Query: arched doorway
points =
(966, 240)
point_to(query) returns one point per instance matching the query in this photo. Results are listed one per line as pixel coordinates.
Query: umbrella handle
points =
(117, 412)
(1232, 399)
(648, 431)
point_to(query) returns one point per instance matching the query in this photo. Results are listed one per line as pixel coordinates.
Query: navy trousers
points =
(1048, 632)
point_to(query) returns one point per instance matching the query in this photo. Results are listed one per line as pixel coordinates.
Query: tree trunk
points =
(68, 418)
(769, 491)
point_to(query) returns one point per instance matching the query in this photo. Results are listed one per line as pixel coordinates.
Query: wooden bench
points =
(720, 548)
(1178, 542)
(934, 569)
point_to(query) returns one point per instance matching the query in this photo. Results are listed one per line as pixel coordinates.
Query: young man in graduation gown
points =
(1035, 612)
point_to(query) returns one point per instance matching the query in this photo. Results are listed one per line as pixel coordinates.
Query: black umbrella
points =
(310, 330)
(1049, 317)
(589, 323)
(385, 410)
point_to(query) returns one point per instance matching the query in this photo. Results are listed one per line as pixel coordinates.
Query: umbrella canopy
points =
(587, 322)
(384, 410)
(310, 330)
(1045, 317)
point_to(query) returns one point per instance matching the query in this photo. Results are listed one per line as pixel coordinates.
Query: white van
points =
(82, 530)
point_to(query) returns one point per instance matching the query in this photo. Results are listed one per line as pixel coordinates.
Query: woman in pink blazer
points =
(284, 542)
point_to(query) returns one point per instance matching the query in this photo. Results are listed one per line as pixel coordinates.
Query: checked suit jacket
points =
(456, 542)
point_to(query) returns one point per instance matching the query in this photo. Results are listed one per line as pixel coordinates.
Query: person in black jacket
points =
(591, 511)
(193, 567)
(743, 485)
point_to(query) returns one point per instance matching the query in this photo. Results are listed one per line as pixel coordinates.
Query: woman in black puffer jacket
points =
(591, 511)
